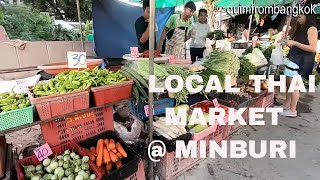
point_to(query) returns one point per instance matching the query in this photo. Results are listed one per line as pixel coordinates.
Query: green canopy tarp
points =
(168, 3)
(246, 3)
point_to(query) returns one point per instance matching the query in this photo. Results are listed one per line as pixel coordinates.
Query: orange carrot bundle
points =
(109, 167)
(93, 151)
(121, 150)
(99, 152)
(114, 158)
(106, 156)
(112, 144)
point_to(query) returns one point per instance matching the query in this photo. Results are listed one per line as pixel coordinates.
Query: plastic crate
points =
(171, 144)
(16, 118)
(268, 100)
(159, 107)
(56, 150)
(129, 164)
(111, 93)
(140, 174)
(224, 97)
(169, 167)
(56, 105)
(78, 127)
(255, 102)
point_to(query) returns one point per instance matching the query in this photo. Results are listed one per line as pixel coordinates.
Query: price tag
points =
(215, 102)
(171, 59)
(77, 59)
(146, 110)
(134, 51)
(43, 152)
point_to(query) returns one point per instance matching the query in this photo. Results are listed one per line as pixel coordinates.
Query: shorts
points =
(292, 69)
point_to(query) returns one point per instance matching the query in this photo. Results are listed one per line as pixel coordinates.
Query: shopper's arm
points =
(163, 36)
(312, 38)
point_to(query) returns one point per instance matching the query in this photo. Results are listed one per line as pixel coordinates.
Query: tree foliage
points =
(64, 9)
(23, 22)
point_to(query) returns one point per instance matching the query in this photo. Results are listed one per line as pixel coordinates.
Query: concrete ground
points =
(306, 166)
(305, 130)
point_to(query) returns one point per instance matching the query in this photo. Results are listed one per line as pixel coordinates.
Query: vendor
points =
(176, 31)
(142, 28)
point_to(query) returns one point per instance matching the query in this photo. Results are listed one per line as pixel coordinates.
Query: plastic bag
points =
(126, 135)
(277, 56)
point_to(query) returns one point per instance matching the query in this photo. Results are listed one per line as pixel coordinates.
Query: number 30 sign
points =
(77, 59)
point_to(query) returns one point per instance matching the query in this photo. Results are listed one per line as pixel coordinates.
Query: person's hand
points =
(159, 48)
(291, 43)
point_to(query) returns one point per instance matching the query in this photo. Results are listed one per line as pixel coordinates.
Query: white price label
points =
(77, 59)
(134, 51)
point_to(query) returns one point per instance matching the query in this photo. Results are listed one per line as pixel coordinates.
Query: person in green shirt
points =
(176, 30)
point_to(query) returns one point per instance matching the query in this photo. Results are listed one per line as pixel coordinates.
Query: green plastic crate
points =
(16, 118)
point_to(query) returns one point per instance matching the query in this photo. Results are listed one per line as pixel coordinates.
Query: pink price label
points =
(43, 152)
(146, 110)
(134, 51)
(215, 102)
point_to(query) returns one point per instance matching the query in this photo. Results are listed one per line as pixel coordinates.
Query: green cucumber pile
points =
(67, 166)
(77, 80)
(12, 101)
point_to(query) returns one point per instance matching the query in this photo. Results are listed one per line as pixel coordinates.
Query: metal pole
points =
(220, 19)
(249, 29)
(79, 18)
(151, 72)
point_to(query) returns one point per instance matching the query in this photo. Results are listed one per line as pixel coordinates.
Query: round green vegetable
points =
(85, 166)
(79, 177)
(77, 169)
(93, 176)
(85, 159)
(39, 167)
(60, 174)
(60, 163)
(71, 177)
(41, 172)
(59, 157)
(30, 168)
(77, 162)
(68, 171)
(48, 169)
(66, 165)
(66, 152)
(36, 177)
(46, 162)
(54, 177)
(64, 178)
(53, 165)
(76, 157)
(57, 170)
(72, 155)
(47, 176)
(66, 157)
(28, 174)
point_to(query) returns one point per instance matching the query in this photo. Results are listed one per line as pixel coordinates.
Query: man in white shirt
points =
(199, 34)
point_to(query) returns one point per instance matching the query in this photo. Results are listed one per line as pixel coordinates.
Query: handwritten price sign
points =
(146, 110)
(77, 59)
(43, 152)
(134, 52)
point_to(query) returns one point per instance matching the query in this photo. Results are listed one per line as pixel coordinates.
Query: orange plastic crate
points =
(140, 174)
(78, 127)
(57, 105)
(268, 100)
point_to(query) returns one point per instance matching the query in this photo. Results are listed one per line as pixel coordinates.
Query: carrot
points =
(109, 167)
(119, 155)
(92, 158)
(121, 150)
(103, 170)
(106, 156)
(112, 144)
(118, 164)
(99, 152)
(114, 150)
(106, 142)
(114, 157)
(93, 151)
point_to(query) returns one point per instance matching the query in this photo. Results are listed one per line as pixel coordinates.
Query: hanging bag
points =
(277, 57)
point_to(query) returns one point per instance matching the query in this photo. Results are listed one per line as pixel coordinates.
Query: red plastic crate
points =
(57, 105)
(78, 127)
(268, 100)
(112, 93)
(56, 150)
(140, 174)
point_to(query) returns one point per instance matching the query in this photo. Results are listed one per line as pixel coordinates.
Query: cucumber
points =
(135, 93)
(137, 76)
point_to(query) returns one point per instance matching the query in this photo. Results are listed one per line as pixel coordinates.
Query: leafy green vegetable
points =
(246, 69)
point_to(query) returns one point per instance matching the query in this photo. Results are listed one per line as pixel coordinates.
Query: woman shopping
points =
(301, 58)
